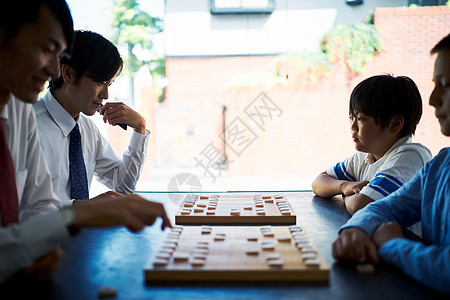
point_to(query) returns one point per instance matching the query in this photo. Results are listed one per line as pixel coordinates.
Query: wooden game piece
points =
(267, 246)
(285, 212)
(188, 204)
(169, 246)
(248, 207)
(365, 268)
(180, 256)
(278, 197)
(266, 197)
(235, 212)
(312, 262)
(295, 228)
(307, 248)
(210, 207)
(163, 255)
(299, 235)
(199, 255)
(268, 200)
(166, 250)
(160, 262)
(201, 251)
(173, 236)
(204, 197)
(201, 204)
(272, 256)
(252, 238)
(210, 212)
(171, 240)
(268, 234)
(302, 244)
(259, 204)
(261, 212)
(276, 262)
(198, 262)
(219, 237)
(309, 255)
(107, 292)
(185, 211)
(284, 239)
(252, 252)
(198, 209)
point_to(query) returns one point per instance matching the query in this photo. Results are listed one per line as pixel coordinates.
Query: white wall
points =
(295, 25)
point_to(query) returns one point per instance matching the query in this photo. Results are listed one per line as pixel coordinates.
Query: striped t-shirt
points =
(397, 166)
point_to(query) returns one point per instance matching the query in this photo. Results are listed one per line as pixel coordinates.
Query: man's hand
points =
(386, 232)
(44, 267)
(119, 112)
(349, 188)
(354, 245)
(112, 209)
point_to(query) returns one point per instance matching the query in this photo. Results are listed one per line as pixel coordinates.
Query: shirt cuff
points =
(139, 141)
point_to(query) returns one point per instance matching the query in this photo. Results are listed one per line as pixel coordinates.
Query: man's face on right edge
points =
(440, 97)
(32, 57)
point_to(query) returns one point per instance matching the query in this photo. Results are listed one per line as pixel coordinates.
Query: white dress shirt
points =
(55, 125)
(41, 227)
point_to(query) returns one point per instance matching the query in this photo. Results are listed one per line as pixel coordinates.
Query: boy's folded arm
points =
(327, 186)
(355, 202)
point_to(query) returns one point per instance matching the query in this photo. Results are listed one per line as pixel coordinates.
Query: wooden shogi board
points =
(238, 253)
(235, 209)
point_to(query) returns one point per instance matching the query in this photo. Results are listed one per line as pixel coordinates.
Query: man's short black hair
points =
(16, 13)
(384, 96)
(91, 55)
(443, 44)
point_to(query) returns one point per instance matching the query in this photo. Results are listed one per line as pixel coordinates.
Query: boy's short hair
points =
(91, 55)
(17, 13)
(385, 96)
(443, 44)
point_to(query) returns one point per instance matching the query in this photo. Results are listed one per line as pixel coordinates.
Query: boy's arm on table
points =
(327, 186)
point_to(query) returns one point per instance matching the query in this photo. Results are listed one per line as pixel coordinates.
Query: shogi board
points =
(238, 253)
(235, 209)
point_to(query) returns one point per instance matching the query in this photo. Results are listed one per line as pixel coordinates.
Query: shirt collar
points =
(3, 113)
(59, 114)
(404, 140)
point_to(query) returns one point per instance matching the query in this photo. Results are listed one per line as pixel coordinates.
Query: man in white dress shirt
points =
(33, 34)
(85, 77)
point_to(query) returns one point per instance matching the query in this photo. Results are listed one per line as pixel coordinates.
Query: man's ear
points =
(68, 73)
(396, 124)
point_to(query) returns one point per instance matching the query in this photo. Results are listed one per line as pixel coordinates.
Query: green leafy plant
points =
(354, 45)
(133, 29)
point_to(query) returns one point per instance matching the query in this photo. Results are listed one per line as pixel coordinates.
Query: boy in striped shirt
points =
(384, 112)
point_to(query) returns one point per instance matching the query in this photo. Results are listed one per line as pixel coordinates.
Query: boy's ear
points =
(396, 124)
(68, 73)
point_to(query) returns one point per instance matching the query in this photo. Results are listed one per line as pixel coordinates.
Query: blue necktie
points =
(78, 175)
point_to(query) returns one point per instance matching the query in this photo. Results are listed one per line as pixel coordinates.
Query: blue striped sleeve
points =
(342, 173)
(385, 184)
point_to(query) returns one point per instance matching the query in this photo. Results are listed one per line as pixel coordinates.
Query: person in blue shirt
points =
(374, 232)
